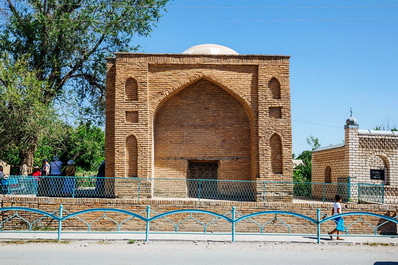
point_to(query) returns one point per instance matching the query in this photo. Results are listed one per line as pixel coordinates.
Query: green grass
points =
(131, 241)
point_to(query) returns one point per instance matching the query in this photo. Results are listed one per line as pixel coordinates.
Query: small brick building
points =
(366, 156)
(206, 113)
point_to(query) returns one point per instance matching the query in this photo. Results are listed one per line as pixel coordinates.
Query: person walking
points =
(338, 220)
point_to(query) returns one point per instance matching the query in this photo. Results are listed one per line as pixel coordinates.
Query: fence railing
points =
(196, 189)
(21, 219)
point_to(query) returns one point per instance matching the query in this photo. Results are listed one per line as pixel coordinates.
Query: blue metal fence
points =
(232, 190)
(10, 214)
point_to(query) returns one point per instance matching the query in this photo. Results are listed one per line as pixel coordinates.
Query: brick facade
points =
(164, 111)
(363, 151)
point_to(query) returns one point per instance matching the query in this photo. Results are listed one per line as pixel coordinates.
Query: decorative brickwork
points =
(275, 112)
(275, 88)
(132, 116)
(276, 154)
(131, 89)
(363, 152)
(197, 107)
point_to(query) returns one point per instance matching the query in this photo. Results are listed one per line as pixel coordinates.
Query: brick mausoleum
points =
(206, 113)
(366, 156)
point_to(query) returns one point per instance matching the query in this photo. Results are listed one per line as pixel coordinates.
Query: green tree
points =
(64, 43)
(84, 144)
(302, 173)
(23, 116)
(386, 126)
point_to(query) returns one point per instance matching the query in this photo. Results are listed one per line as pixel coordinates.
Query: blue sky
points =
(344, 54)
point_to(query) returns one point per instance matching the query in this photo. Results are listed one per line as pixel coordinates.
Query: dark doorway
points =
(202, 179)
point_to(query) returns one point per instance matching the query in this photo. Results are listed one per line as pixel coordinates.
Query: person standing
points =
(45, 180)
(56, 181)
(55, 166)
(35, 179)
(36, 172)
(338, 220)
(70, 181)
(45, 168)
(3, 181)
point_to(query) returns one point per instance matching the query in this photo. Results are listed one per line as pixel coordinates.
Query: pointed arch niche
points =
(275, 143)
(131, 156)
(378, 165)
(275, 88)
(328, 174)
(203, 123)
(131, 89)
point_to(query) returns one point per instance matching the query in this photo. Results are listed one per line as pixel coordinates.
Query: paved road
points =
(192, 252)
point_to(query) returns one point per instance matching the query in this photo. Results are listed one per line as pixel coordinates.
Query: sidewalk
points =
(92, 236)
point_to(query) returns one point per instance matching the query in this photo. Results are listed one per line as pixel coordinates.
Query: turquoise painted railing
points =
(200, 189)
(233, 217)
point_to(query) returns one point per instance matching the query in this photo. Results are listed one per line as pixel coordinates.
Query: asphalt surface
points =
(194, 252)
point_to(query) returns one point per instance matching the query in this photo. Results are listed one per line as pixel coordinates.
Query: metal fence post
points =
(200, 189)
(233, 224)
(139, 188)
(148, 216)
(349, 188)
(382, 193)
(74, 186)
(318, 225)
(61, 208)
(264, 191)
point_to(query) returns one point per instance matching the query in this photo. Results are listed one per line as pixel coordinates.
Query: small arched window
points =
(275, 88)
(131, 89)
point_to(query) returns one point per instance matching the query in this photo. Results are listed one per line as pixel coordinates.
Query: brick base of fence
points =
(274, 224)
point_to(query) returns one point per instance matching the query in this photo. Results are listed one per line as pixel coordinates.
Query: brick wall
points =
(183, 108)
(221, 207)
(363, 151)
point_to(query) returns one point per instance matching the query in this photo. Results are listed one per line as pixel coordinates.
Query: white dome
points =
(209, 49)
(351, 121)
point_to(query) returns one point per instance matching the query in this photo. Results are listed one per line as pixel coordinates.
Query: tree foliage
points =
(67, 40)
(84, 144)
(302, 172)
(23, 116)
(59, 49)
